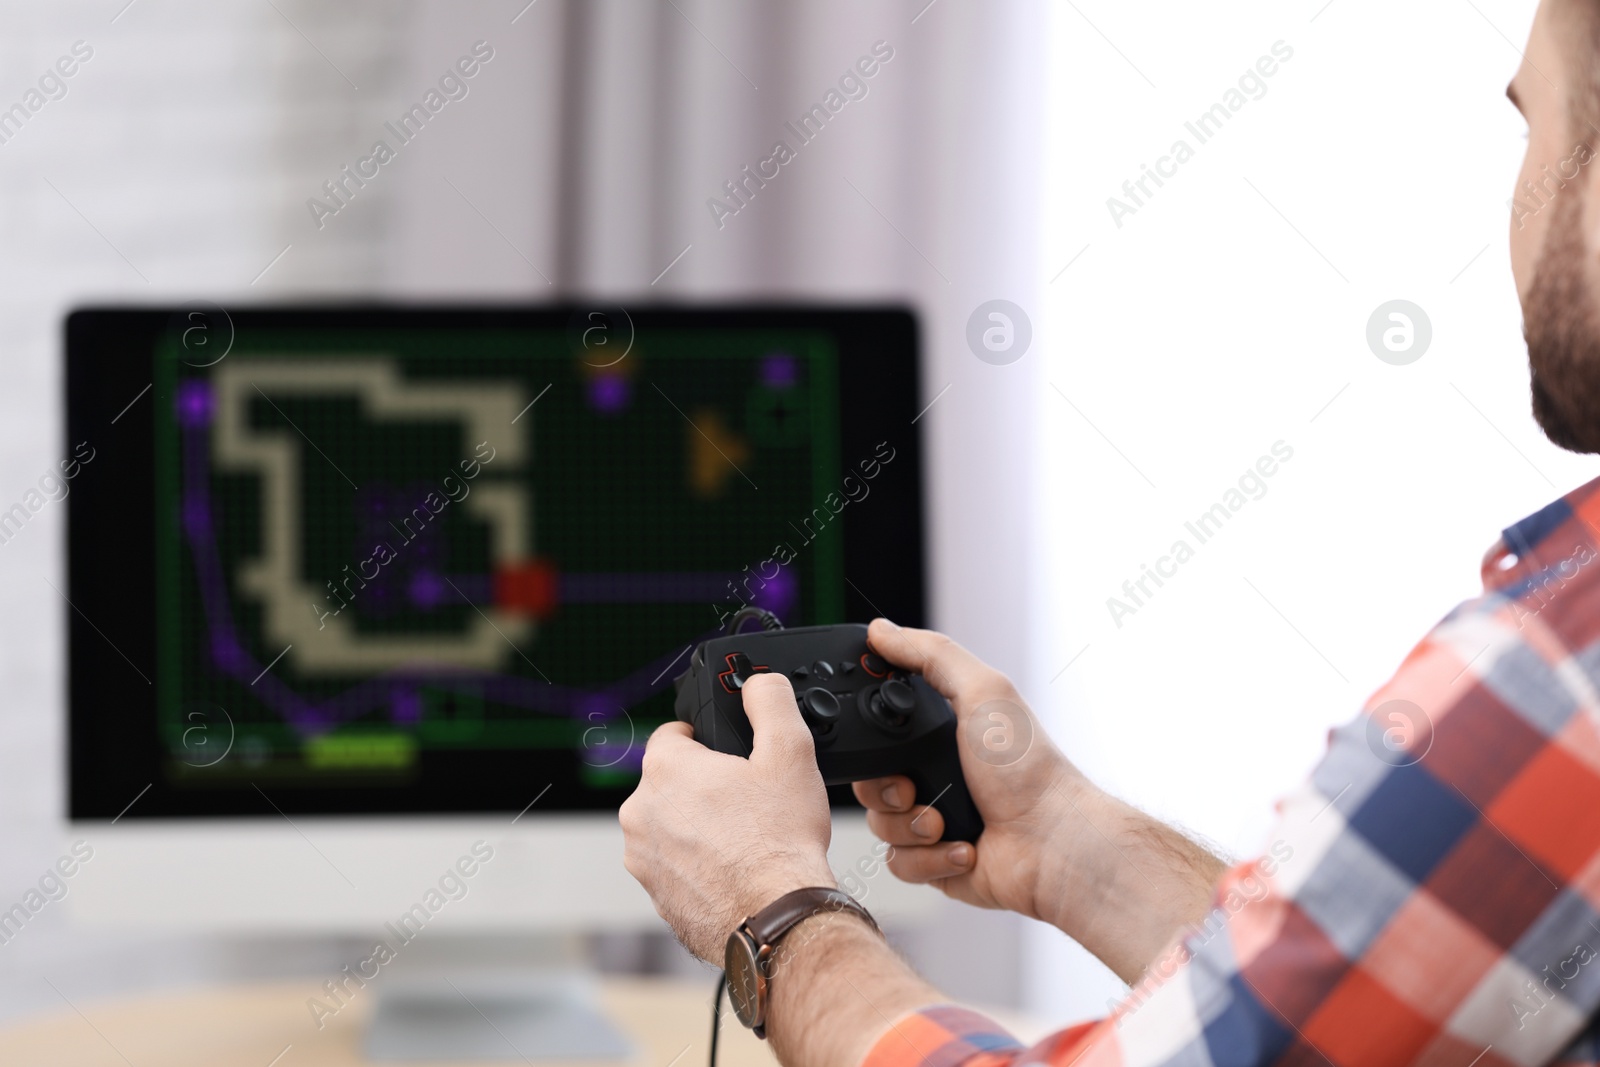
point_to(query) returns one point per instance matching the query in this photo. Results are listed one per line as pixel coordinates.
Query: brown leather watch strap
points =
(750, 954)
(769, 924)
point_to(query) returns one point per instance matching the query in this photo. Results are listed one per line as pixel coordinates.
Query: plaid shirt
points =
(1432, 894)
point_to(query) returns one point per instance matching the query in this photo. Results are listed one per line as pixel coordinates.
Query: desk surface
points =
(269, 1026)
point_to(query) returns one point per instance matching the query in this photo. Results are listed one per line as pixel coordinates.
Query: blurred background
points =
(1178, 335)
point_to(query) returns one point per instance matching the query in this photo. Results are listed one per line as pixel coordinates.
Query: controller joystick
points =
(820, 709)
(865, 723)
(891, 705)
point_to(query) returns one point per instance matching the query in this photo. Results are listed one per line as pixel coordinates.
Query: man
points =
(1431, 895)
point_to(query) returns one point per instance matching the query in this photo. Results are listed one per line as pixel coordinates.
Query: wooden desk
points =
(250, 1026)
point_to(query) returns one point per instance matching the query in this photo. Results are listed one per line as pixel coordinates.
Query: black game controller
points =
(868, 719)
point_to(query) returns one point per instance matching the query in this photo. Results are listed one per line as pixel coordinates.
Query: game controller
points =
(868, 718)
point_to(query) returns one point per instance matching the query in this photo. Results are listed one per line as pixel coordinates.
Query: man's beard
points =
(1563, 337)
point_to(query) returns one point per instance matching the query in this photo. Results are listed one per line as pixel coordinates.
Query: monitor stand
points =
(486, 999)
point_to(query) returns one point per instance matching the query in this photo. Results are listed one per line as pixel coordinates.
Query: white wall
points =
(180, 155)
(1207, 328)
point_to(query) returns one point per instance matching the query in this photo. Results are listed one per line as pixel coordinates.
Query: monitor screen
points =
(369, 560)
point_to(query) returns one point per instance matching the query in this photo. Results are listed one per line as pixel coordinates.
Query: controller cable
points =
(716, 1014)
(769, 622)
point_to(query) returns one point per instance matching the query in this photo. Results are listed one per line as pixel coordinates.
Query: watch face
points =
(747, 986)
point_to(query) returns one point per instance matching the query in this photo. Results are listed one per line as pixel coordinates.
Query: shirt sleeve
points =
(1428, 897)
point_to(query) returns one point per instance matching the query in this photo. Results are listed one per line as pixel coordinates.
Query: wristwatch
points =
(747, 960)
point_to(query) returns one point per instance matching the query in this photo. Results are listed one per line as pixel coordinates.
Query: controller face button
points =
(874, 665)
(820, 708)
(847, 667)
(822, 669)
(800, 674)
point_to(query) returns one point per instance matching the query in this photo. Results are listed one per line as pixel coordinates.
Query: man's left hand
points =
(714, 838)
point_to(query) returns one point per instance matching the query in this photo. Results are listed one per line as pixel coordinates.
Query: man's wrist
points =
(760, 891)
(1122, 883)
(1074, 871)
(812, 929)
(835, 985)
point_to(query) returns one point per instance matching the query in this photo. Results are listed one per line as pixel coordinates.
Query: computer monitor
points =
(353, 587)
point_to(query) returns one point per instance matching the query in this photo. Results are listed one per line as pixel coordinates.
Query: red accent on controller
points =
(531, 588)
(887, 670)
(731, 682)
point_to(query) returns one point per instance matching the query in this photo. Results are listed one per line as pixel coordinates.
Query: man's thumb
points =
(780, 732)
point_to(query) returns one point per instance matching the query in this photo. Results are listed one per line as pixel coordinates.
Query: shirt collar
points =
(1556, 532)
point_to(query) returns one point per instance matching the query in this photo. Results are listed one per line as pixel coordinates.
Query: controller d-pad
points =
(739, 671)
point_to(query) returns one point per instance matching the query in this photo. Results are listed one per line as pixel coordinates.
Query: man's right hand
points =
(1022, 784)
(1054, 846)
